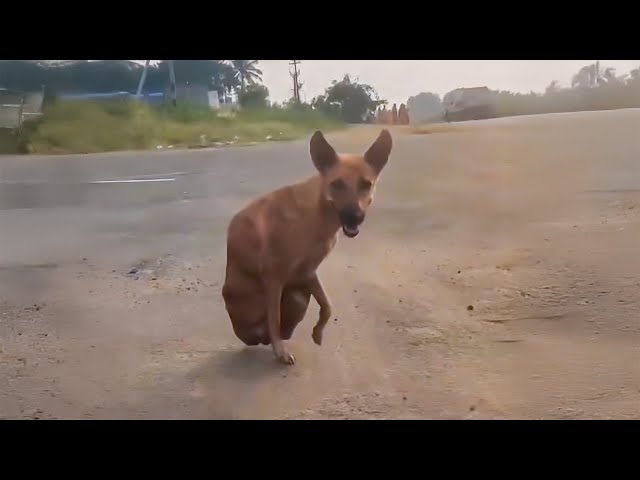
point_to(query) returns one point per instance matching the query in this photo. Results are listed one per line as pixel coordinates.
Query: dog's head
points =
(349, 180)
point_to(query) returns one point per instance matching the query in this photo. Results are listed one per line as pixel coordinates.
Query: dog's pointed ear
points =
(322, 154)
(378, 153)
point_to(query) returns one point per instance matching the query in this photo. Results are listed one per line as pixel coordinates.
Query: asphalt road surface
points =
(496, 276)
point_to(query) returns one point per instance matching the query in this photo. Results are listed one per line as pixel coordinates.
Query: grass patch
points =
(11, 142)
(8, 141)
(85, 127)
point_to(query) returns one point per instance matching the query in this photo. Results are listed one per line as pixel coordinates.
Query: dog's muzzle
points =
(351, 217)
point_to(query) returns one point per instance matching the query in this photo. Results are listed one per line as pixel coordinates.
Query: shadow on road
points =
(242, 365)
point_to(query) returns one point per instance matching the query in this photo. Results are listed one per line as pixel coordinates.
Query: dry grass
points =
(432, 128)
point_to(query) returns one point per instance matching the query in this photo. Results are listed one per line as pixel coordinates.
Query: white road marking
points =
(141, 180)
(158, 175)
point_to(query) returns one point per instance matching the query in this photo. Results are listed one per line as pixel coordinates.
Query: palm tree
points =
(227, 80)
(248, 72)
(585, 78)
(589, 76)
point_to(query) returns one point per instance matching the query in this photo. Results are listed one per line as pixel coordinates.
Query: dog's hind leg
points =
(253, 335)
(248, 315)
(293, 307)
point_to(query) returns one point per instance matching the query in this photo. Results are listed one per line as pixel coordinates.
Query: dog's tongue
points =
(349, 231)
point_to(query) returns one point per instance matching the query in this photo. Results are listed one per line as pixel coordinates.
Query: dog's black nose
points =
(351, 215)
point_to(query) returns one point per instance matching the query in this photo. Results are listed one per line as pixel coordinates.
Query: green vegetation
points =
(350, 100)
(83, 127)
(77, 127)
(254, 96)
(9, 141)
(248, 72)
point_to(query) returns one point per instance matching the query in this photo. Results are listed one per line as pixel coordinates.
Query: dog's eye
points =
(365, 184)
(338, 185)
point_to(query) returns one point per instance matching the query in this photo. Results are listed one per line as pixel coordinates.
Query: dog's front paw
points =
(288, 358)
(284, 356)
(317, 336)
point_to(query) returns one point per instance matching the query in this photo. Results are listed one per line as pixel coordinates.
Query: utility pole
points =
(296, 81)
(172, 83)
(142, 79)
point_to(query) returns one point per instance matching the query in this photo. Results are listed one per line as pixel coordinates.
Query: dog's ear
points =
(322, 154)
(378, 153)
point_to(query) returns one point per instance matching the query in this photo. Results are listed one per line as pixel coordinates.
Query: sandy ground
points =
(495, 277)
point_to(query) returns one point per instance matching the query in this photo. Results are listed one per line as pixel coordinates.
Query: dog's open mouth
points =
(350, 231)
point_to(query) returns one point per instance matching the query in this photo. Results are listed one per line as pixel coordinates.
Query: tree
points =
(553, 87)
(254, 96)
(247, 72)
(424, 107)
(22, 75)
(109, 75)
(203, 72)
(352, 101)
(98, 76)
(321, 104)
(611, 78)
(70, 76)
(586, 77)
(227, 79)
(589, 76)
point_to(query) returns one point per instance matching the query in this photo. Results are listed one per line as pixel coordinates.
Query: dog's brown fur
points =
(277, 242)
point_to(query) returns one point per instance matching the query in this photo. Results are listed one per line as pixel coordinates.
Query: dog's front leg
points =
(317, 291)
(273, 290)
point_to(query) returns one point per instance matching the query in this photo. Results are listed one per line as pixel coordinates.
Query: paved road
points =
(473, 292)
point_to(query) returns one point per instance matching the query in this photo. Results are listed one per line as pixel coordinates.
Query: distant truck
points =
(462, 104)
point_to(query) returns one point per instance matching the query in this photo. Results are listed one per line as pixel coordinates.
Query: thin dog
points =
(276, 243)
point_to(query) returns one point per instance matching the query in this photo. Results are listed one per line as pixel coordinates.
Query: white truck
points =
(475, 103)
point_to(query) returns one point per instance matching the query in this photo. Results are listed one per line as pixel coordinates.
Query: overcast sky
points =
(397, 80)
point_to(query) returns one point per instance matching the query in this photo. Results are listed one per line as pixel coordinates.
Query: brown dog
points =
(276, 243)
